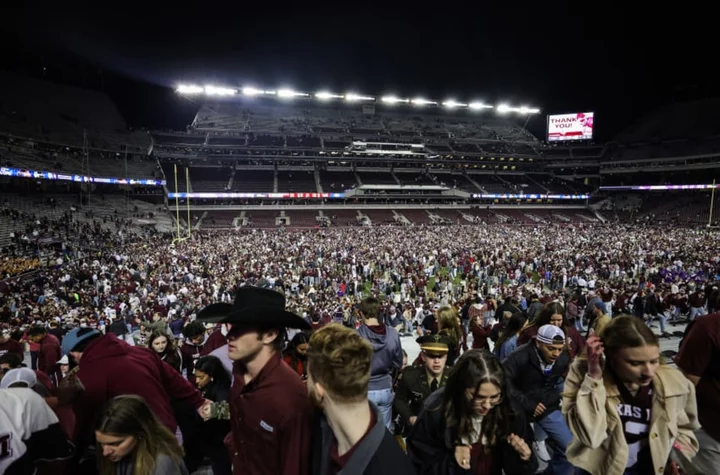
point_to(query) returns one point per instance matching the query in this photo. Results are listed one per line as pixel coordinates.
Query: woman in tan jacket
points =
(625, 410)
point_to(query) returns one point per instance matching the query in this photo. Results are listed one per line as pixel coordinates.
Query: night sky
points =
(558, 56)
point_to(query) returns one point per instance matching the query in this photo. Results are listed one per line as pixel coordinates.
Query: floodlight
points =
(352, 97)
(528, 110)
(393, 100)
(251, 91)
(325, 96)
(189, 89)
(219, 91)
(504, 108)
(451, 104)
(419, 101)
(289, 93)
(477, 105)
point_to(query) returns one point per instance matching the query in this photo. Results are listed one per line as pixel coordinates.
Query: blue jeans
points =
(559, 433)
(696, 312)
(383, 399)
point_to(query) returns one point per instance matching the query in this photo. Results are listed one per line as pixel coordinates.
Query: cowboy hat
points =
(253, 306)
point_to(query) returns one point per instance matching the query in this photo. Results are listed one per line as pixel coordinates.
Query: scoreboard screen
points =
(577, 126)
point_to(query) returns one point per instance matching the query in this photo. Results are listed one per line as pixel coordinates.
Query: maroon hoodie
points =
(49, 354)
(190, 353)
(12, 346)
(110, 367)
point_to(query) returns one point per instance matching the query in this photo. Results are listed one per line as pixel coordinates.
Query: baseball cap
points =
(73, 338)
(63, 360)
(19, 375)
(550, 334)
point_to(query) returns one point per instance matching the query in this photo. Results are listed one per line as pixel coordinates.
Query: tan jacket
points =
(598, 445)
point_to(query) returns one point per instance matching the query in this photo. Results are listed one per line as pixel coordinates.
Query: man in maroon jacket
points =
(198, 343)
(49, 353)
(270, 412)
(109, 367)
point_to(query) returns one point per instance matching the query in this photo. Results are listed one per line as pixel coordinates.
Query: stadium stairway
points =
(318, 185)
(400, 218)
(200, 220)
(395, 177)
(470, 179)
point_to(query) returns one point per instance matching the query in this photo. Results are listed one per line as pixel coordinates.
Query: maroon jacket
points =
(190, 353)
(12, 346)
(49, 354)
(110, 367)
(214, 341)
(271, 420)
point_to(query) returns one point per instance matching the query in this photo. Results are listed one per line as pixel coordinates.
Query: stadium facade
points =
(257, 162)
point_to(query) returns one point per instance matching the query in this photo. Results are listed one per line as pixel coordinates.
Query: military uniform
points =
(412, 390)
(414, 384)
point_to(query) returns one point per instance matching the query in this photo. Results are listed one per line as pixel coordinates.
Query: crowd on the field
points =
(524, 358)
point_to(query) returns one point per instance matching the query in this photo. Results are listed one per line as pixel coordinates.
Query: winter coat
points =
(598, 444)
(529, 385)
(431, 445)
(110, 367)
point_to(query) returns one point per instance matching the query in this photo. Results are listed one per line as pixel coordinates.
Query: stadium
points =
(285, 159)
(332, 197)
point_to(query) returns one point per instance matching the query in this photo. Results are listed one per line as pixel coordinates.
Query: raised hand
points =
(595, 353)
(520, 446)
(205, 411)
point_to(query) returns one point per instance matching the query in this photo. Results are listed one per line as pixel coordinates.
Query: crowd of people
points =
(281, 352)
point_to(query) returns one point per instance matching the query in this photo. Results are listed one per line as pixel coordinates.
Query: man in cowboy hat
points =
(269, 409)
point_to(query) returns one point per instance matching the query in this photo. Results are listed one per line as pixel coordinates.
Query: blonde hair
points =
(626, 331)
(339, 359)
(449, 324)
(129, 415)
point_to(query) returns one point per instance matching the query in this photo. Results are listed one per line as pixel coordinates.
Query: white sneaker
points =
(541, 451)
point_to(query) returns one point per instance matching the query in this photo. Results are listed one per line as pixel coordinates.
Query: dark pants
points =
(189, 423)
(34, 359)
(220, 460)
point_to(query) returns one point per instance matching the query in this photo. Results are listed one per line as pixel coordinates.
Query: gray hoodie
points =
(387, 355)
